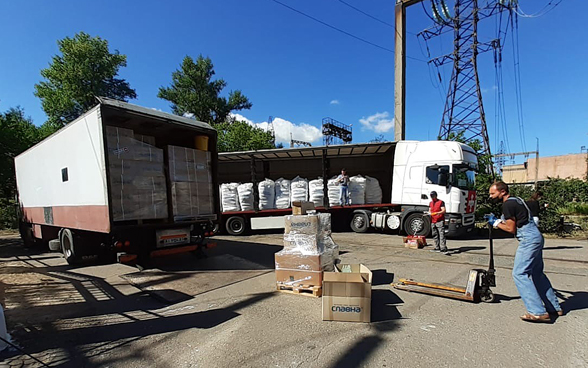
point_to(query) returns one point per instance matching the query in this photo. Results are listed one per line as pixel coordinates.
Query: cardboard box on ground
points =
(137, 178)
(347, 293)
(308, 250)
(191, 181)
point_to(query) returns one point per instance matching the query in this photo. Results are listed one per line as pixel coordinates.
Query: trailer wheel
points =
(417, 224)
(68, 246)
(360, 223)
(235, 225)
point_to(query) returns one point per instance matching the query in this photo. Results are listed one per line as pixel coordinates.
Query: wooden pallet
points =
(306, 290)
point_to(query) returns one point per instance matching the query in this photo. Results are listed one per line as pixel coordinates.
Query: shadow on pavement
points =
(382, 277)
(574, 300)
(562, 247)
(384, 304)
(359, 352)
(465, 249)
(499, 298)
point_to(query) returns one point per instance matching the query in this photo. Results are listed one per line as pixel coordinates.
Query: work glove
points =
(492, 220)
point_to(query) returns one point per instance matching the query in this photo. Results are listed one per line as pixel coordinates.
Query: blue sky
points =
(300, 71)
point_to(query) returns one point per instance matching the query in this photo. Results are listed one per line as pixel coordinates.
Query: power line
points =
(541, 12)
(342, 31)
(367, 15)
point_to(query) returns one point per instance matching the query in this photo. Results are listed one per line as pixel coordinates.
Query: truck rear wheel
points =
(360, 223)
(417, 224)
(68, 246)
(235, 225)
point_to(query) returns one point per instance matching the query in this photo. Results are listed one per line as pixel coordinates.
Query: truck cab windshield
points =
(464, 177)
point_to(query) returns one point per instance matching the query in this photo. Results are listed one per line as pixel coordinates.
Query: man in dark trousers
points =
(533, 285)
(343, 180)
(437, 212)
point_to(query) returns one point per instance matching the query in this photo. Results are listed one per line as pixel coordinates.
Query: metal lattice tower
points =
(463, 115)
(335, 132)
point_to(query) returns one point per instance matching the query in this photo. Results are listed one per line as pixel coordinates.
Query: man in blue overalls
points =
(533, 285)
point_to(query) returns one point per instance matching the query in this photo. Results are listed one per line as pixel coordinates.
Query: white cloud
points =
(493, 88)
(380, 122)
(283, 128)
(188, 115)
(335, 102)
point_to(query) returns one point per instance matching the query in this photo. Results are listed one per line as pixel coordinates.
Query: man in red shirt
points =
(437, 211)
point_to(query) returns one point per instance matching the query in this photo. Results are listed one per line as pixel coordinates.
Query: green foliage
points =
(558, 194)
(573, 209)
(194, 92)
(85, 69)
(17, 133)
(240, 136)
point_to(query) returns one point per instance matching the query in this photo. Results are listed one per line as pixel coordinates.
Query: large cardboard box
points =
(299, 277)
(347, 293)
(315, 224)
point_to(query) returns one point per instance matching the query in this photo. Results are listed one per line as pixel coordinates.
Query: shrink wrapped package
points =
(191, 182)
(267, 193)
(246, 200)
(373, 191)
(298, 189)
(334, 192)
(316, 192)
(230, 197)
(357, 190)
(308, 250)
(282, 193)
(137, 178)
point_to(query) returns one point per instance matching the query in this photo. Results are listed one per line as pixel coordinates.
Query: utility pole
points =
(400, 68)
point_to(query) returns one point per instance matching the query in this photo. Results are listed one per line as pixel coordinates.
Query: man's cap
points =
(433, 193)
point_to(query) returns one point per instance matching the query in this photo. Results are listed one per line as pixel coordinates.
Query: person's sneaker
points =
(436, 250)
(446, 252)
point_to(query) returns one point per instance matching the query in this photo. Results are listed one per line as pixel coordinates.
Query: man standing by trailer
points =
(343, 180)
(533, 285)
(437, 212)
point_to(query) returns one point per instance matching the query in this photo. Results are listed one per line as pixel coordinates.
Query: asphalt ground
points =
(223, 311)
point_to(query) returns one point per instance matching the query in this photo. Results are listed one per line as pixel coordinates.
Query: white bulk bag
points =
(357, 190)
(373, 191)
(267, 194)
(282, 193)
(299, 189)
(316, 193)
(230, 197)
(334, 192)
(245, 192)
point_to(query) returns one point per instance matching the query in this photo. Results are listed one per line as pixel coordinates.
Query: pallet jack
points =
(477, 288)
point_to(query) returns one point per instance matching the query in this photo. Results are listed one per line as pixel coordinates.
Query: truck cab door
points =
(437, 178)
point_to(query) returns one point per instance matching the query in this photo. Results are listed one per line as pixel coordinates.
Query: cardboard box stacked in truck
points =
(308, 251)
(191, 181)
(137, 178)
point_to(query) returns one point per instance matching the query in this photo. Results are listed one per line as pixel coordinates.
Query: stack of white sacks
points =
(281, 193)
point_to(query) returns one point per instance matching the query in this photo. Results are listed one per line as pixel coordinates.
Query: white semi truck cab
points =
(446, 167)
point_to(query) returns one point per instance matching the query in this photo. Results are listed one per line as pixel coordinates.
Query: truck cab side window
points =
(432, 176)
(64, 176)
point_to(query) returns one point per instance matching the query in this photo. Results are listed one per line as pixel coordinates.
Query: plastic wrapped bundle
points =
(282, 193)
(373, 191)
(299, 189)
(334, 192)
(245, 192)
(230, 197)
(357, 189)
(316, 193)
(267, 193)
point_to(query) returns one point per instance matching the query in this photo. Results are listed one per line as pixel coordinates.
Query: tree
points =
(17, 133)
(241, 136)
(85, 69)
(194, 92)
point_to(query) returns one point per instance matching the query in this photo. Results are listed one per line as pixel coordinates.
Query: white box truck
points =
(407, 172)
(120, 179)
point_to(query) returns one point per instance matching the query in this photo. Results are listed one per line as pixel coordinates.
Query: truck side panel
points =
(62, 180)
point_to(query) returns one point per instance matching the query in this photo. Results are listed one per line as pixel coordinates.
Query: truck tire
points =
(417, 224)
(360, 223)
(68, 246)
(235, 225)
